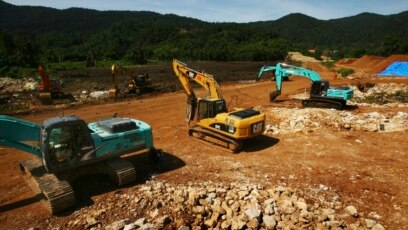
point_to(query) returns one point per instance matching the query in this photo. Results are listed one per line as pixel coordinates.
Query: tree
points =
(6, 48)
(394, 44)
(136, 55)
(26, 52)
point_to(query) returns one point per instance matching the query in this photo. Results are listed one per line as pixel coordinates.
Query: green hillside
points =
(30, 35)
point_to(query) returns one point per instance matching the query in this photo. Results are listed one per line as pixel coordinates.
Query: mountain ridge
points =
(76, 34)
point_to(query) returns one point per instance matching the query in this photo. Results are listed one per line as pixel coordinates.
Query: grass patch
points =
(328, 64)
(384, 98)
(344, 72)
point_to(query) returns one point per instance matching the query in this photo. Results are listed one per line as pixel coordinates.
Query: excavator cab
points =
(210, 108)
(319, 88)
(66, 142)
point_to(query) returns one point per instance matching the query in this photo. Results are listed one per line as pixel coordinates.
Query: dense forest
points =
(33, 35)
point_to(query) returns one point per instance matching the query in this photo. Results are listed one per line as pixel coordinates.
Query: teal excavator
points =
(67, 147)
(321, 94)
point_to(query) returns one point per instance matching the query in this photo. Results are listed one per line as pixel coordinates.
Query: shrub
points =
(329, 64)
(344, 72)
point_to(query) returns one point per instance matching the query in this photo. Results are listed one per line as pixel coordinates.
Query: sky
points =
(234, 10)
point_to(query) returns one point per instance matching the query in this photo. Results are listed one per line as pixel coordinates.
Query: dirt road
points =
(360, 168)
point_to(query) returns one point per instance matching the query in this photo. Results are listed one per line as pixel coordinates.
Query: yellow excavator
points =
(136, 84)
(213, 123)
(117, 71)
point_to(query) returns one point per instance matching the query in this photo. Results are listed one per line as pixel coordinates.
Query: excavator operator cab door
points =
(66, 143)
(319, 88)
(209, 109)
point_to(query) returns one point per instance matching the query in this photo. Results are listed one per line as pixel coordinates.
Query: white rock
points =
(323, 187)
(147, 226)
(99, 94)
(269, 221)
(140, 222)
(301, 205)
(117, 225)
(370, 223)
(351, 210)
(252, 212)
(237, 223)
(328, 211)
(130, 226)
(378, 227)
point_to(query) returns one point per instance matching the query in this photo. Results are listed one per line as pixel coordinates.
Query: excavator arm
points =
(186, 75)
(284, 70)
(117, 71)
(15, 132)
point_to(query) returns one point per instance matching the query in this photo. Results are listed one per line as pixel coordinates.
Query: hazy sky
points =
(234, 10)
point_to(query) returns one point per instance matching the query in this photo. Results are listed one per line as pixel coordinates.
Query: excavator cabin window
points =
(66, 143)
(209, 109)
(203, 109)
(61, 144)
(220, 107)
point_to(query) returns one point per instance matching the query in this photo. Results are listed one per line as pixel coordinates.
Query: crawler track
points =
(122, 172)
(323, 103)
(217, 140)
(58, 194)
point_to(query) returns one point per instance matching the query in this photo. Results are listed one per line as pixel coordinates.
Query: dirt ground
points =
(365, 169)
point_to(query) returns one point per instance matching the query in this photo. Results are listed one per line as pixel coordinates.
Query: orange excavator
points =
(48, 89)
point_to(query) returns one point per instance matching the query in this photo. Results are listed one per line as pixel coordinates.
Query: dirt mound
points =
(385, 63)
(299, 57)
(325, 72)
(346, 61)
(372, 64)
(367, 63)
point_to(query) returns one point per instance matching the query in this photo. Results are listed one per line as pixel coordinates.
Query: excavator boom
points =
(185, 74)
(22, 131)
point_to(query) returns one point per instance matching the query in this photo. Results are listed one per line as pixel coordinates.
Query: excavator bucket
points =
(46, 98)
(113, 93)
(274, 95)
(191, 107)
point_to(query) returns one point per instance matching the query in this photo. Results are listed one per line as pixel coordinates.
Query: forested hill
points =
(362, 29)
(44, 20)
(29, 35)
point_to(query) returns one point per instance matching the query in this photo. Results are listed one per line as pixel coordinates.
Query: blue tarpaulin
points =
(397, 68)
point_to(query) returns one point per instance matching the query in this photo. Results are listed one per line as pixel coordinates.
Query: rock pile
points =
(210, 205)
(16, 85)
(381, 95)
(310, 119)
